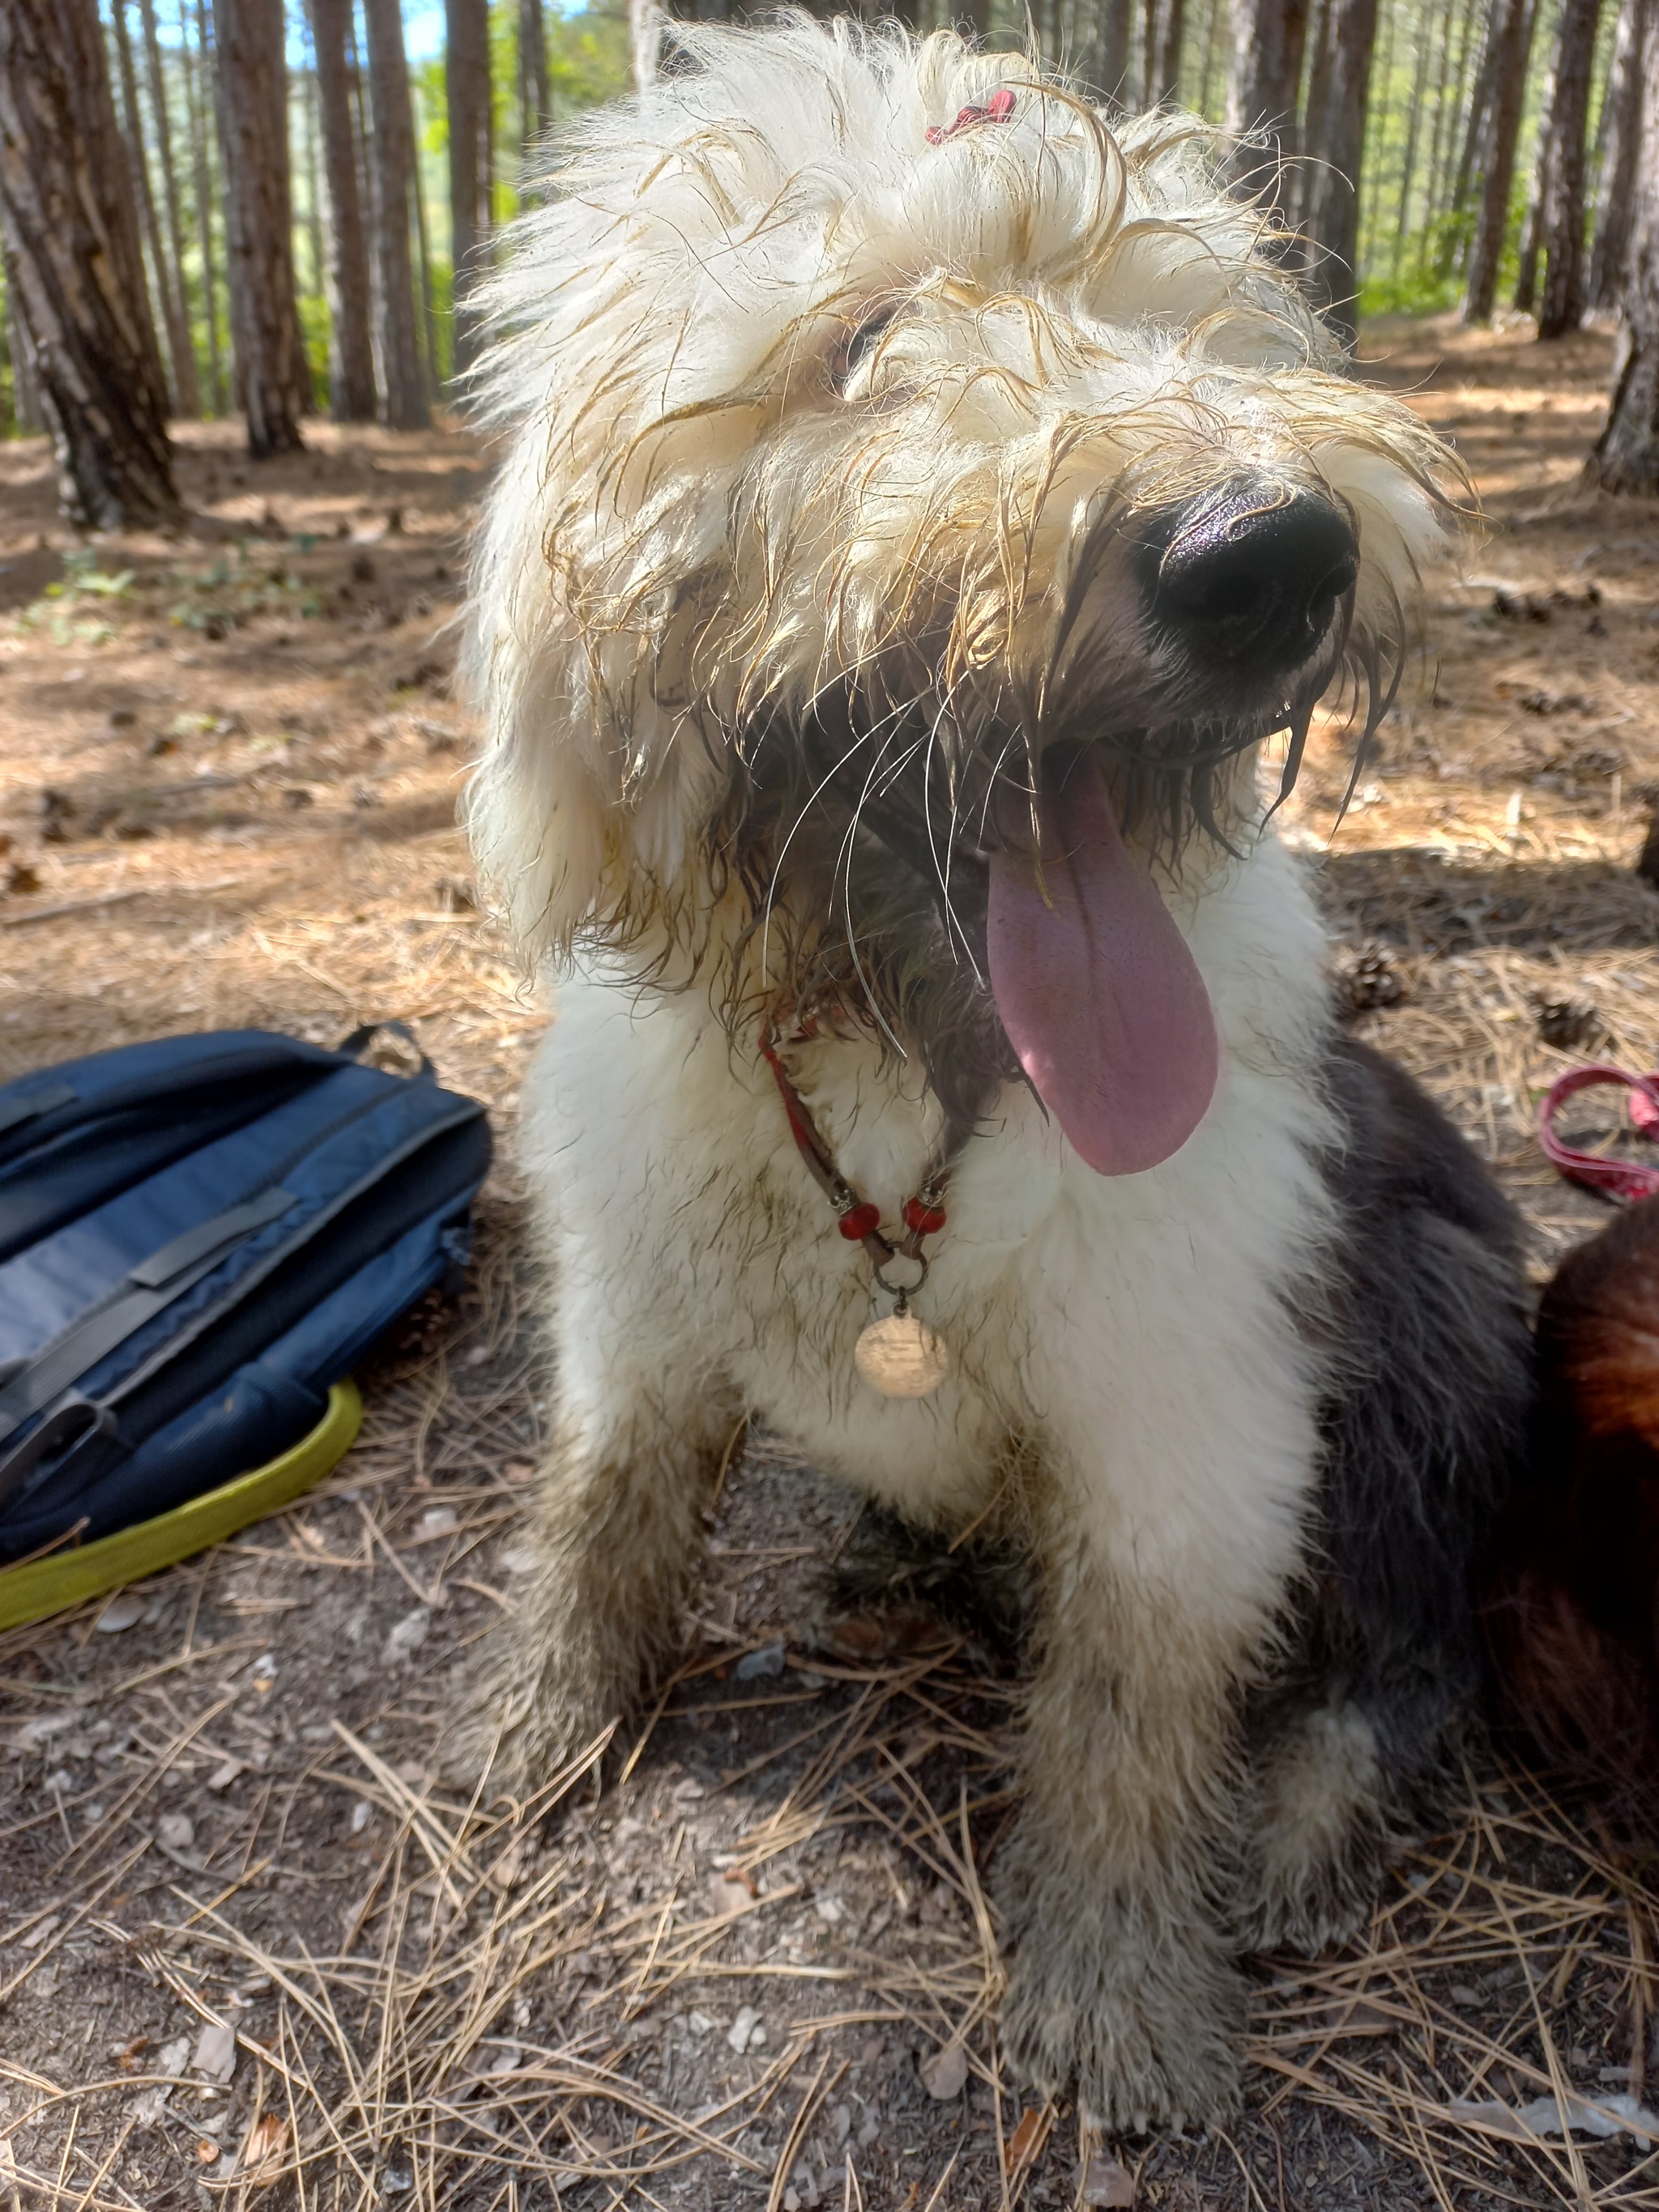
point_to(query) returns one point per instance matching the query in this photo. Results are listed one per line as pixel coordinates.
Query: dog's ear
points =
(534, 809)
(546, 807)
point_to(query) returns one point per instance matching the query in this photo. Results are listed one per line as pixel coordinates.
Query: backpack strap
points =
(155, 1282)
(14, 1112)
(354, 1045)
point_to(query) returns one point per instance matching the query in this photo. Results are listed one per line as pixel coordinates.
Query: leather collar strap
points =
(858, 1218)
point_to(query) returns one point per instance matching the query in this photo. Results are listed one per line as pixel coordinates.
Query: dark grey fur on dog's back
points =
(1427, 1429)
(1425, 1322)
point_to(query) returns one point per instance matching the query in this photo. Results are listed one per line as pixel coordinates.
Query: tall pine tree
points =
(75, 272)
(251, 78)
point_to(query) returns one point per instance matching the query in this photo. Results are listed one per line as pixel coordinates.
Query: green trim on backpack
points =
(35, 1588)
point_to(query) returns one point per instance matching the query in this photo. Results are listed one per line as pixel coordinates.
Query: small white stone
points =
(215, 2050)
(35, 1733)
(944, 2072)
(361, 1813)
(177, 1830)
(408, 1635)
(745, 2030)
(120, 1612)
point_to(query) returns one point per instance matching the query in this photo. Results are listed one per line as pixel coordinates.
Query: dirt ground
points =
(249, 1946)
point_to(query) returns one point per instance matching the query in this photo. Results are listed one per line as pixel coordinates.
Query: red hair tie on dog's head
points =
(997, 109)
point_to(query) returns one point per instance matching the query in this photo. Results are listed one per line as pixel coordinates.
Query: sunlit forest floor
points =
(250, 1946)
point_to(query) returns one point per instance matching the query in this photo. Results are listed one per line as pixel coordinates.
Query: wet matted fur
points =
(881, 456)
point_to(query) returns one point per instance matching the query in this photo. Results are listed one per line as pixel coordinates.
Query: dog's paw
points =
(1305, 1900)
(1147, 2037)
(1322, 1836)
(509, 1735)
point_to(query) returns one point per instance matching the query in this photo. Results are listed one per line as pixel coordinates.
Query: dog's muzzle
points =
(1248, 580)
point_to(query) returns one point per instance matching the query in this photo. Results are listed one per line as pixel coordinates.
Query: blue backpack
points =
(200, 1237)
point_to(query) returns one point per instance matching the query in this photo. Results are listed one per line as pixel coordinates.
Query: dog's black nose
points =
(1249, 578)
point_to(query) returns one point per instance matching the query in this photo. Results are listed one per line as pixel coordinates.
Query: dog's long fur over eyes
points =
(847, 475)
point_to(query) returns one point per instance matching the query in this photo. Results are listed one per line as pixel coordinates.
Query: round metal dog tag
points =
(902, 1358)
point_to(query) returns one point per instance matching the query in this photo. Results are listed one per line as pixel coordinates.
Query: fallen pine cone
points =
(1570, 1025)
(1367, 977)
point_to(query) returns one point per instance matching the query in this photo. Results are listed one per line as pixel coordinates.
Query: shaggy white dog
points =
(924, 495)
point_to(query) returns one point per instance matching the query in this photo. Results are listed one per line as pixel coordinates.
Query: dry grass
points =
(388, 2052)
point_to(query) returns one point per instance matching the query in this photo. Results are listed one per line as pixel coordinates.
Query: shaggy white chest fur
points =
(1129, 1337)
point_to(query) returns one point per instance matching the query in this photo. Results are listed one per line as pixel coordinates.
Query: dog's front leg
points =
(640, 1425)
(1119, 1976)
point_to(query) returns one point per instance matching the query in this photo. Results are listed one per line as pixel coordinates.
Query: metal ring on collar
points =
(918, 1260)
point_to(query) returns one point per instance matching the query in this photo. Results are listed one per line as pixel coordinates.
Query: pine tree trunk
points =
(190, 396)
(25, 384)
(646, 22)
(1622, 132)
(1511, 37)
(1532, 238)
(196, 75)
(466, 85)
(1477, 133)
(1166, 25)
(71, 240)
(7, 361)
(163, 309)
(1413, 140)
(1448, 112)
(392, 173)
(1212, 24)
(1310, 131)
(1562, 207)
(1367, 177)
(1334, 142)
(424, 319)
(535, 113)
(1627, 456)
(351, 356)
(9, 422)
(251, 78)
(311, 105)
(1439, 131)
(1264, 88)
(1103, 57)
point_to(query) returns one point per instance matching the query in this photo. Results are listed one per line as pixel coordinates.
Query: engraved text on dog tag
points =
(902, 1358)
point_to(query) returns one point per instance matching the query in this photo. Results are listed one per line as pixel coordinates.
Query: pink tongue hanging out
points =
(1097, 989)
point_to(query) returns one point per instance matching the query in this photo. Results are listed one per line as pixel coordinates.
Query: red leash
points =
(1623, 1179)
